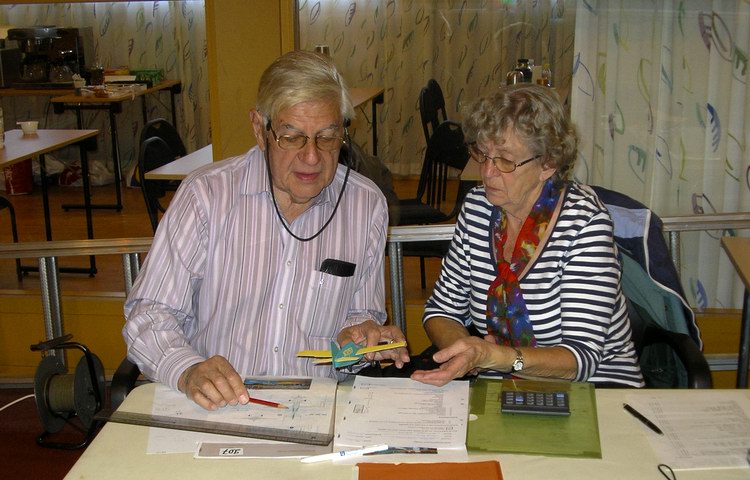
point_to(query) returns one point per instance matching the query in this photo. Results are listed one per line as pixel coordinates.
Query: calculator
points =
(543, 403)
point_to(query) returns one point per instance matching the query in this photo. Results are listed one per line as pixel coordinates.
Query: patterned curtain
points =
(468, 46)
(660, 96)
(139, 35)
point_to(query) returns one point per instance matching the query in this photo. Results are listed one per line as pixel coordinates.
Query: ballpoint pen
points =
(344, 454)
(642, 419)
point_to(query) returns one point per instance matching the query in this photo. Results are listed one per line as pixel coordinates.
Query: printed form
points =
(710, 430)
(403, 413)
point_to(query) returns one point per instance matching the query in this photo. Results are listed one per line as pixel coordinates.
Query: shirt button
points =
(281, 306)
(275, 349)
(288, 263)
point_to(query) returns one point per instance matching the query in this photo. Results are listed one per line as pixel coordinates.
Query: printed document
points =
(710, 430)
(403, 413)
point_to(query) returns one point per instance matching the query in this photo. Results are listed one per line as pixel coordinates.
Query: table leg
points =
(113, 108)
(175, 89)
(47, 218)
(116, 157)
(144, 109)
(45, 197)
(744, 353)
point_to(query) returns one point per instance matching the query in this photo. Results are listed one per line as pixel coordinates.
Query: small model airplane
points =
(349, 354)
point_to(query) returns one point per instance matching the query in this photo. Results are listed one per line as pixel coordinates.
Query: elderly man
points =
(266, 254)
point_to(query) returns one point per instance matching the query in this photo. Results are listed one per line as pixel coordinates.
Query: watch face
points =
(518, 362)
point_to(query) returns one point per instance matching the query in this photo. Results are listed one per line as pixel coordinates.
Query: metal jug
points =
(514, 76)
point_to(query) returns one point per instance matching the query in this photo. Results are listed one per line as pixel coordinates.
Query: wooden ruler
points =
(251, 431)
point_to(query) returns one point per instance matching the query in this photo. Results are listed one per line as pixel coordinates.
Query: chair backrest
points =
(431, 108)
(437, 97)
(445, 148)
(161, 128)
(154, 153)
(656, 300)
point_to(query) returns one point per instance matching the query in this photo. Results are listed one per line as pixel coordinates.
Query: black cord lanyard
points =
(276, 205)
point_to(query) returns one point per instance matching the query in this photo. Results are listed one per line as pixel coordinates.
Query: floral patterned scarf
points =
(507, 316)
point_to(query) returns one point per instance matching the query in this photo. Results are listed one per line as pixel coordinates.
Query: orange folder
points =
(489, 470)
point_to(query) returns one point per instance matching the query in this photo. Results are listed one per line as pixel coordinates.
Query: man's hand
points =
(369, 333)
(466, 356)
(213, 384)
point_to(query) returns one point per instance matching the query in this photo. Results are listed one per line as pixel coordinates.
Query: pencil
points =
(265, 402)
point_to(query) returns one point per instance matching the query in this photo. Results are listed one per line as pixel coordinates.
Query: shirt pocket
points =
(325, 306)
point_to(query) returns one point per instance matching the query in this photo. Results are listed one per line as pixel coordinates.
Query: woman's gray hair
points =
(301, 76)
(534, 113)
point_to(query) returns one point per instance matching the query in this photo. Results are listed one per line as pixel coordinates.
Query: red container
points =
(19, 178)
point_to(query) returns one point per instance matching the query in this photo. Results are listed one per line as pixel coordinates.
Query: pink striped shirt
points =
(223, 277)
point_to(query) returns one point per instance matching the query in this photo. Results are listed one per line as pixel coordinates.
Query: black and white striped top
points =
(572, 290)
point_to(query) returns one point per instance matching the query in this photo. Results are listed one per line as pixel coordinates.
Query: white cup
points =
(29, 127)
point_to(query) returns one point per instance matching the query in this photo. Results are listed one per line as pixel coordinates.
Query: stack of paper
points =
(404, 414)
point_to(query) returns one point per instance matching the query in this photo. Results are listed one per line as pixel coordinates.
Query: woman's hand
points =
(465, 356)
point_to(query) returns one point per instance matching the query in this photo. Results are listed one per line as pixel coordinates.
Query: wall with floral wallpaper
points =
(148, 34)
(660, 93)
(468, 46)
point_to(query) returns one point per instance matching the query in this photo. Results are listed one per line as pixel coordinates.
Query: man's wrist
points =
(182, 382)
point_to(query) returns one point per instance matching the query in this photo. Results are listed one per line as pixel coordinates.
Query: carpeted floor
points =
(19, 428)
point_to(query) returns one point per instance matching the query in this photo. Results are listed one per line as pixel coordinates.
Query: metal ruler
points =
(251, 431)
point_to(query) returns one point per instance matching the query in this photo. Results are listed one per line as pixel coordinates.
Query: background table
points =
(180, 168)
(113, 104)
(738, 250)
(362, 95)
(119, 452)
(20, 147)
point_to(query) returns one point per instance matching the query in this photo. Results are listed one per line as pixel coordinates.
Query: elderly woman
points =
(533, 264)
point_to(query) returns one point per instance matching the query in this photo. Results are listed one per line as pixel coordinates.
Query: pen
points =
(344, 454)
(643, 419)
(265, 402)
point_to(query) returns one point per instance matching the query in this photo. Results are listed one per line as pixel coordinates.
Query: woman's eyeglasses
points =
(326, 143)
(502, 164)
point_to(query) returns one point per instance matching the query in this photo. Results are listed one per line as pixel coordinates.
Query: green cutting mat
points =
(576, 435)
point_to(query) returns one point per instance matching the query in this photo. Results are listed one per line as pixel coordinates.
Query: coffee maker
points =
(51, 55)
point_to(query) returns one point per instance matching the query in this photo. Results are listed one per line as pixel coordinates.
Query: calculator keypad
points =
(545, 403)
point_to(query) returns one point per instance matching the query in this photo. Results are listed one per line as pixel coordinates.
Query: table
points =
(738, 249)
(180, 168)
(119, 450)
(20, 147)
(113, 105)
(362, 95)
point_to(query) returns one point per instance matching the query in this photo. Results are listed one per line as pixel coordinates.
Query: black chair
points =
(124, 380)
(445, 148)
(665, 333)
(161, 128)
(431, 108)
(5, 203)
(154, 153)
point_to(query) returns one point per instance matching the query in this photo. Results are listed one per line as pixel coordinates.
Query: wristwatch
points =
(518, 362)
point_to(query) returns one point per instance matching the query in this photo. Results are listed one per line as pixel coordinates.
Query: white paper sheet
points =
(309, 411)
(711, 430)
(403, 413)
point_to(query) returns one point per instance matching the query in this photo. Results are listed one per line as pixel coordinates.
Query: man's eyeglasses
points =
(502, 164)
(326, 143)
